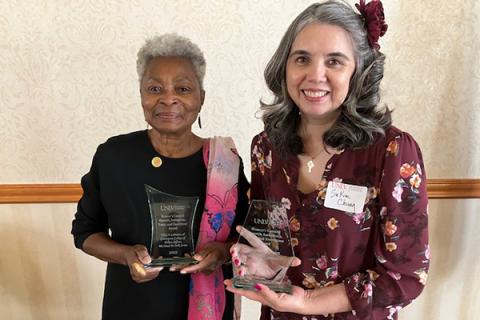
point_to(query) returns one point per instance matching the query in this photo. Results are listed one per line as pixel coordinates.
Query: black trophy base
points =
(168, 262)
(248, 283)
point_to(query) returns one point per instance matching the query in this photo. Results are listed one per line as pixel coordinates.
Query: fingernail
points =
(257, 287)
(242, 273)
(237, 262)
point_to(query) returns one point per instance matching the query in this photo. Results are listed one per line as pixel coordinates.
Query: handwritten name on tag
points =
(345, 197)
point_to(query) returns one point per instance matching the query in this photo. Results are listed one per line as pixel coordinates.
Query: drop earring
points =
(199, 122)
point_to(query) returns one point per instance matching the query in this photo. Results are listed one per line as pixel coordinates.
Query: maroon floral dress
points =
(381, 254)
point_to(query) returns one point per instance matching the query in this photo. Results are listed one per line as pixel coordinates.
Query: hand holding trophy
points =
(264, 251)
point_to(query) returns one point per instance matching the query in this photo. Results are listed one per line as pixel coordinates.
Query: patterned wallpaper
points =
(68, 82)
(68, 77)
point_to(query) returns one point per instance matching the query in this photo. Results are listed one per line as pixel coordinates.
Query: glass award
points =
(172, 220)
(264, 248)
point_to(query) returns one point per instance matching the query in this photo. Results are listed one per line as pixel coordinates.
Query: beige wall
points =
(41, 276)
(67, 82)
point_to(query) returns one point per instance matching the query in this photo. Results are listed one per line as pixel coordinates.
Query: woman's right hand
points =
(100, 245)
(136, 256)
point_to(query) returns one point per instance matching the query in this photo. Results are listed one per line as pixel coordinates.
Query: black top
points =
(114, 199)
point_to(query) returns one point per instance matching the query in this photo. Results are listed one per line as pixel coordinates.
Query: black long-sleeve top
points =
(114, 200)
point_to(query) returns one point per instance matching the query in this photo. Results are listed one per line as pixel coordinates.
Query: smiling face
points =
(318, 72)
(171, 95)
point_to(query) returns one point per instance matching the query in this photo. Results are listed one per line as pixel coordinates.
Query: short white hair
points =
(171, 45)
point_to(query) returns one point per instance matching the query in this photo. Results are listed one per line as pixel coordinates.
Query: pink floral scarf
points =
(207, 293)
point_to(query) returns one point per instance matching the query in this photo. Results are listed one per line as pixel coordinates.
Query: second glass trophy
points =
(264, 249)
(172, 219)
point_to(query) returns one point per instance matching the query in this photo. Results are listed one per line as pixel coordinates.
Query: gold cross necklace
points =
(310, 163)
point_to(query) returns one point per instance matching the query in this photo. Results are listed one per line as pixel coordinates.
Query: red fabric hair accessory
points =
(374, 18)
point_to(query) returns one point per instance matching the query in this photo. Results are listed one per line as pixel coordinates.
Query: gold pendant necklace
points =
(311, 163)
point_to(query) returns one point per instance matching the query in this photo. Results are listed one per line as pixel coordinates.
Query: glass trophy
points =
(264, 249)
(172, 220)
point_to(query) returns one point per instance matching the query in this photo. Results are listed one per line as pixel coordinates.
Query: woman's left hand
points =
(282, 302)
(210, 258)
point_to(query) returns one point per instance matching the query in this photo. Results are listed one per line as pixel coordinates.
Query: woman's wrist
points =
(304, 304)
(326, 300)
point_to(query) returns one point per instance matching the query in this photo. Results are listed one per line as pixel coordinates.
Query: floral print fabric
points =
(381, 254)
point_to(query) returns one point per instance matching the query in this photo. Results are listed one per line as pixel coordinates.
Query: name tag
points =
(345, 197)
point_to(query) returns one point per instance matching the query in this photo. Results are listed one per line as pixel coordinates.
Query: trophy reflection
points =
(172, 220)
(264, 249)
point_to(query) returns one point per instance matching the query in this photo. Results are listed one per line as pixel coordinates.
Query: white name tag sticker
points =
(345, 197)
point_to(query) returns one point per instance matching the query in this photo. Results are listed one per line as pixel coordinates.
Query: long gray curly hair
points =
(360, 119)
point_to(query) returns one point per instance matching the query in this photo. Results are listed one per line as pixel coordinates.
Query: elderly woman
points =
(353, 184)
(113, 222)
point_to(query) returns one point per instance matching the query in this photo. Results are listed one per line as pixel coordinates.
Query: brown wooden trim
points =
(64, 193)
(40, 193)
(453, 188)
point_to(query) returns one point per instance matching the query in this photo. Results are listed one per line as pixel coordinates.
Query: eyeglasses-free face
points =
(318, 72)
(171, 95)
